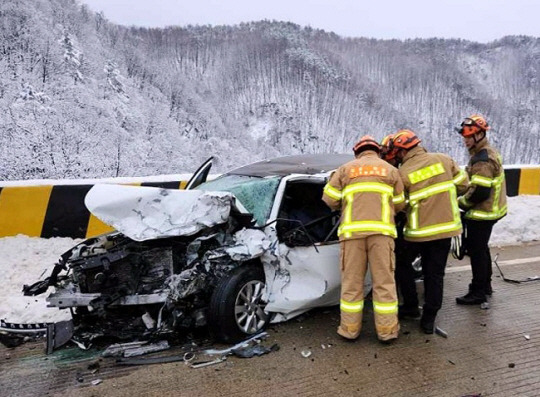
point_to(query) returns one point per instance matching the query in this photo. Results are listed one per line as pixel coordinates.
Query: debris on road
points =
(306, 353)
(188, 356)
(246, 349)
(239, 345)
(207, 363)
(257, 350)
(58, 334)
(133, 349)
(484, 305)
(513, 281)
(96, 382)
(441, 332)
(527, 337)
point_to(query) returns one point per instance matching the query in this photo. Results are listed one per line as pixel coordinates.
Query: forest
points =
(81, 97)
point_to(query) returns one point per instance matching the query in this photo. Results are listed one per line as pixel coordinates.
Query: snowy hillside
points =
(81, 97)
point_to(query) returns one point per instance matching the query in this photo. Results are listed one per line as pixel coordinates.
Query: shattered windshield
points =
(255, 193)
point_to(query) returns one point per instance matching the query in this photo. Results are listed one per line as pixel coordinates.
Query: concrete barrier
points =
(58, 210)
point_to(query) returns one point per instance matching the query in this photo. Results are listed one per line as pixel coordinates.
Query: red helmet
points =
(388, 152)
(473, 125)
(405, 139)
(365, 143)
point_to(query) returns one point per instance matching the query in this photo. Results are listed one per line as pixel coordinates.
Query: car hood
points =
(146, 213)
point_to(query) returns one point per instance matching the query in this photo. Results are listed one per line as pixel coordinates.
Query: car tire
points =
(236, 308)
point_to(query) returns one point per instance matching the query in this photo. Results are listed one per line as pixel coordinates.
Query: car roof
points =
(298, 164)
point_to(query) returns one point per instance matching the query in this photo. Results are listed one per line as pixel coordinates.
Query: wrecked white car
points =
(253, 246)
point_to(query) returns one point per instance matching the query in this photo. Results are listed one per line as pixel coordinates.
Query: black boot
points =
(471, 298)
(427, 323)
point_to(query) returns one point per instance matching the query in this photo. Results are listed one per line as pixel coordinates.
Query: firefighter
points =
(368, 191)
(405, 274)
(484, 203)
(432, 182)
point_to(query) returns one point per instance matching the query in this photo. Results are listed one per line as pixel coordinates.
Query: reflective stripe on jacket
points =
(368, 191)
(432, 181)
(485, 171)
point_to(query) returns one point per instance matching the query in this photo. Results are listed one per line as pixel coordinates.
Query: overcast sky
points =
(477, 20)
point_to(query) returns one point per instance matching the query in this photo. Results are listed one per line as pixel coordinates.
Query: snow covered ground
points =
(25, 260)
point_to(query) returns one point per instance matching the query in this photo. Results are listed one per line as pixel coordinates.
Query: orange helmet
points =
(365, 143)
(473, 125)
(388, 152)
(405, 139)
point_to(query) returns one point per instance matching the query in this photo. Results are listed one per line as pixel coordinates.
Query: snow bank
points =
(24, 260)
(521, 224)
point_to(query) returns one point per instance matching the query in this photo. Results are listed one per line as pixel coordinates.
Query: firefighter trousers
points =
(378, 250)
(434, 255)
(478, 234)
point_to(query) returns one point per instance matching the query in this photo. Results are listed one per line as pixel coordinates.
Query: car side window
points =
(304, 219)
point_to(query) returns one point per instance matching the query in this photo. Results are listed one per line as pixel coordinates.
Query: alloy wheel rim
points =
(249, 307)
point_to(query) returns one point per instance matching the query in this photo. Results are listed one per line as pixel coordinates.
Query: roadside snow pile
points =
(521, 224)
(25, 260)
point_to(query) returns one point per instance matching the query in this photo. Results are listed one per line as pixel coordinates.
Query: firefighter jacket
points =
(432, 182)
(486, 197)
(368, 191)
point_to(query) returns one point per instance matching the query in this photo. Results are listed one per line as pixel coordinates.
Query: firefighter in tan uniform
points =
(432, 182)
(484, 203)
(368, 191)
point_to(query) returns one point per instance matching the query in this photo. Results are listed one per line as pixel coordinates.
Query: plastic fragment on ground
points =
(484, 305)
(188, 356)
(96, 382)
(528, 337)
(306, 353)
(58, 334)
(257, 350)
(207, 363)
(237, 346)
(441, 332)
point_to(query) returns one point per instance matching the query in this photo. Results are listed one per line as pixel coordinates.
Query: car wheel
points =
(236, 308)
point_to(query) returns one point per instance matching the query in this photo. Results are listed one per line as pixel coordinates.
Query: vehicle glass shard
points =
(144, 213)
(254, 193)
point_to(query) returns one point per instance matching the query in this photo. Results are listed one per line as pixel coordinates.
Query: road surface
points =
(490, 352)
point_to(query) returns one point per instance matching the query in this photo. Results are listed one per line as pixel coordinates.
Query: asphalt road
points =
(490, 352)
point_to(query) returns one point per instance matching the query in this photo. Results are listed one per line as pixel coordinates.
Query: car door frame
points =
(314, 277)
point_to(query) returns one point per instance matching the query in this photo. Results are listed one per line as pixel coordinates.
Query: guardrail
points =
(59, 211)
(54, 210)
(524, 179)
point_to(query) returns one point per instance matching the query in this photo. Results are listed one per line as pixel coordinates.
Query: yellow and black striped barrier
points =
(59, 210)
(522, 180)
(54, 211)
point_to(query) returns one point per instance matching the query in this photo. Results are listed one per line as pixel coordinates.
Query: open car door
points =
(200, 175)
